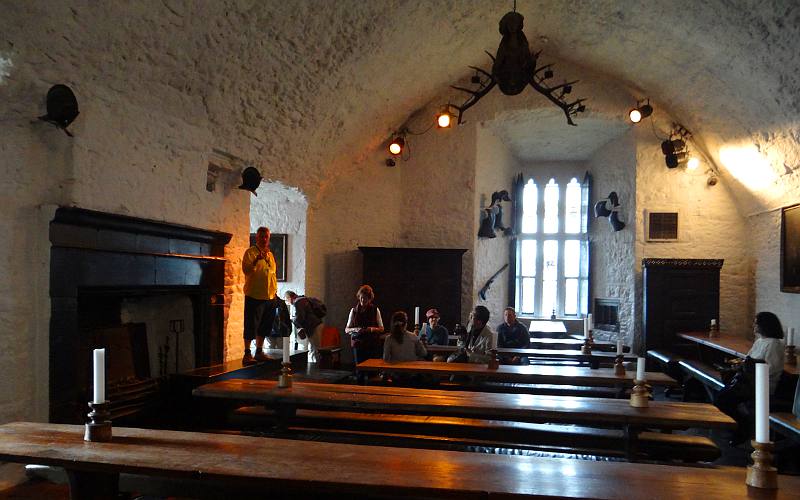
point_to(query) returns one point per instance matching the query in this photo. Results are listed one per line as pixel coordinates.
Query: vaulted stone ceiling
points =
(298, 82)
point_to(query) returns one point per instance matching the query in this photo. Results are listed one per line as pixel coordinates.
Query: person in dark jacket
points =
(432, 332)
(365, 326)
(308, 324)
(513, 334)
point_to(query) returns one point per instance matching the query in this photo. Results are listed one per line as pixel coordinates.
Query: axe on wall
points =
(485, 288)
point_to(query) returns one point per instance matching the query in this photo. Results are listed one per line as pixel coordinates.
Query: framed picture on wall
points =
(277, 245)
(790, 249)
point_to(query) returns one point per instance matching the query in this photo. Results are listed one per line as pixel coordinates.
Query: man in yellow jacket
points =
(260, 291)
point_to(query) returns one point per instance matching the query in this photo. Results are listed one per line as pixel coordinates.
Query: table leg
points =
(631, 442)
(92, 485)
(285, 412)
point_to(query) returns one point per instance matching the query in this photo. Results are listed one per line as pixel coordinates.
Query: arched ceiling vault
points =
(324, 81)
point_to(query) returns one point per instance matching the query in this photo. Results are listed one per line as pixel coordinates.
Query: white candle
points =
(640, 369)
(494, 340)
(99, 375)
(790, 340)
(762, 402)
(416, 315)
(591, 322)
(586, 328)
(713, 322)
(286, 349)
(619, 347)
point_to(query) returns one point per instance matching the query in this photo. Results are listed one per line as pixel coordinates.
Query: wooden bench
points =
(707, 375)
(232, 466)
(592, 412)
(787, 424)
(468, 434)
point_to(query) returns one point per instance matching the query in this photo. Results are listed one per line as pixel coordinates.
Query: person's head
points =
(365, 295)
(262, 237)
(289, 297)
(767, 324)
(509, 316)
(480, 316)
(433, 317)
(399, 322)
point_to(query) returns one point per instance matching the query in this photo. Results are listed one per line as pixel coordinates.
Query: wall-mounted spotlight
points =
(675, 149)
(397, 144)
(62, 107)
(642, 110)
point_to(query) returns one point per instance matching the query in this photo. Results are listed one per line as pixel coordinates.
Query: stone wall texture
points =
(309, 91)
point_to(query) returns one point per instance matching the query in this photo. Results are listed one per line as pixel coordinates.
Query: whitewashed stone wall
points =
(712, 227)
(613, 168)
(283, 210)
(764, 238)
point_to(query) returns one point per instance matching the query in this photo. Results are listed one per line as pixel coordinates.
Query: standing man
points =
(260, 289)
(308, 323)
(512, 333)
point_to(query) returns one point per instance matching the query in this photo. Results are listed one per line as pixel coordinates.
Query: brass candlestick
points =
(791, 358)
(416, 330)
(285, 378)
(98, 429)
(494, 364)
(587, 344)
(640, 396)
(762, 474)
(619, 367)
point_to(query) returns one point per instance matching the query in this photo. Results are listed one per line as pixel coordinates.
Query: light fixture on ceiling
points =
(693, 163)
(397, 145)
(675, 149)
(642, 110)
(444, 119)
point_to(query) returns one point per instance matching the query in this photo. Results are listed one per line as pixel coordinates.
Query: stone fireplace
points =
(151, 293)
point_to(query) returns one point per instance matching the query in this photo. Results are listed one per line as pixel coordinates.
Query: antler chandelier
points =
(514, 68)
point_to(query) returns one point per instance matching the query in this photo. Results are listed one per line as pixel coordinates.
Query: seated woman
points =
(402, 345)
(768, 347)
(432, 332)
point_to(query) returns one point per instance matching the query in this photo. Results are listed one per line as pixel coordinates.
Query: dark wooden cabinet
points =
(679, 295)
(407, 277)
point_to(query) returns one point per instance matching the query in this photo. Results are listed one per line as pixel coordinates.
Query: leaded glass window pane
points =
(530, 202)
(528, 258)
(572, 217)
(551, 198)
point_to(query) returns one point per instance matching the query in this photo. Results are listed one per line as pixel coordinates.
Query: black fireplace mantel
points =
(107, 254)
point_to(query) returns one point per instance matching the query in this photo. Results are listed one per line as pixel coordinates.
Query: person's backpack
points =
(317, 307)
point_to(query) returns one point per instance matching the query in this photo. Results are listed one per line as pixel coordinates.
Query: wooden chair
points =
(330, 348)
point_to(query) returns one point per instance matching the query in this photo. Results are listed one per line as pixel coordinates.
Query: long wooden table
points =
(533, 374)
(570, 343)
(594, 359)
(232, 465)
(733, 346)
(545, 326)
(592, 412)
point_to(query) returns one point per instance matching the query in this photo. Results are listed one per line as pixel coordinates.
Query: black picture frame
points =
(790, 249)
(277, 245)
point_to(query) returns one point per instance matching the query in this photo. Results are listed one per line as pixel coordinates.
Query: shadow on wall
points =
(343, 276)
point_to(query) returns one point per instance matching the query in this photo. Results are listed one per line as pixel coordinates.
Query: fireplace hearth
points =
(151, 293)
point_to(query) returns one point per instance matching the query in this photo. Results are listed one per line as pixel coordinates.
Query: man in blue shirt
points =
(513, 334)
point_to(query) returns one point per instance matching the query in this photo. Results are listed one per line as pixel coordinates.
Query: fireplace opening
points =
(148, 292)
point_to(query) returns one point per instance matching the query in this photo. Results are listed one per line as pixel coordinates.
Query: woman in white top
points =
(737, 399)
(769, 346)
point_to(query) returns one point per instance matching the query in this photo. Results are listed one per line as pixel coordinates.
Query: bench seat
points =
(706, 374)
(786, 423)
(434, 432)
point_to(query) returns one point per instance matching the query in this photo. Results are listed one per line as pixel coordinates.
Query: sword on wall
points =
(485, 288)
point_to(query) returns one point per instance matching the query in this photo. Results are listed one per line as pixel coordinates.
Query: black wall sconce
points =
(251, 179)
(602, 209)
(62, 107)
